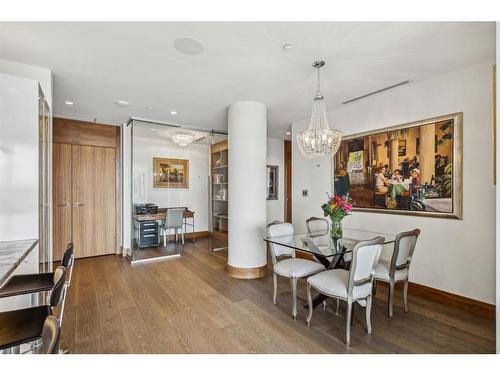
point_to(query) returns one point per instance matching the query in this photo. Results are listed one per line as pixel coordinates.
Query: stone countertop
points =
(12, 253)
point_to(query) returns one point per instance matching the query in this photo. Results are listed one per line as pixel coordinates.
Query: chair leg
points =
(368, 314)
(293, 281)
(338, 305)
(374, 288)
(309, 304)
(348, 324)
(405, 295)
(324, 305)
(391, 298)
(275, 283)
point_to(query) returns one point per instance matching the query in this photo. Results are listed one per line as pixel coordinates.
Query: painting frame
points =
(457, 171)
(159, 177)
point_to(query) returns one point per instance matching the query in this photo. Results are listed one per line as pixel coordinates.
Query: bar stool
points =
(26, 325)
(37, 282)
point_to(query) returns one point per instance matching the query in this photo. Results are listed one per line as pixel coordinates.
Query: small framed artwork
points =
(170, 173)
(402, 147)
(272, 182)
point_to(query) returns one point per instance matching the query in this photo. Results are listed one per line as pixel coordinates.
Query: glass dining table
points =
(331, 253)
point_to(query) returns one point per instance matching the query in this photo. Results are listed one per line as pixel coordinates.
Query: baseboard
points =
(189, 235)
(473, 306)
(247, 273)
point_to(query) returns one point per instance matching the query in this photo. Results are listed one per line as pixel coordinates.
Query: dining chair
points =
(397, 269)
(292, 268)
(318, 225)
(351, 286)
(173, 220)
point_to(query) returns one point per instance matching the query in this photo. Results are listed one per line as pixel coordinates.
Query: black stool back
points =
(68, 256)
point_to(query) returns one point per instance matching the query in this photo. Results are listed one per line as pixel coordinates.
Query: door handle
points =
(65, 205)
(79, 204)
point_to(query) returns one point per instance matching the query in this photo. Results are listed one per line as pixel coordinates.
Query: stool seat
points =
(27, 284)
(22, 326)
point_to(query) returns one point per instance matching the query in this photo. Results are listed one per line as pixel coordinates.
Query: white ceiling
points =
(95, 64)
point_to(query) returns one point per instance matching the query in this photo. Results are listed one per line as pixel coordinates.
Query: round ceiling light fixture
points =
(122, 103)
(69, 102)
(287, 47)
(189, 46)
(183, 139)
(173, 112)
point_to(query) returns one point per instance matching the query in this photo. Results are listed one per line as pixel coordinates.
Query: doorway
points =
(85, 188)
(288, 181)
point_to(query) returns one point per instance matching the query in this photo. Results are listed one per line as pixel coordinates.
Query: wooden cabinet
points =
(85, 197)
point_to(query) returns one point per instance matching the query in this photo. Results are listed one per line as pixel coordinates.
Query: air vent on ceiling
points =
(377, 91)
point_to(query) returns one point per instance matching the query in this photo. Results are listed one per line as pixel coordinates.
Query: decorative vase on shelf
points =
(336, 230)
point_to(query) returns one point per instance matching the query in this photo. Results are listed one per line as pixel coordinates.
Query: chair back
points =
(404, 245)
(318, 225)
(365, 256)
(50, 335)
(57, 292)
(174, 218)
(67, 259)
(280, 229)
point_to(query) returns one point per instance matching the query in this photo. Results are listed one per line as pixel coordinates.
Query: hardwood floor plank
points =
(191, 305)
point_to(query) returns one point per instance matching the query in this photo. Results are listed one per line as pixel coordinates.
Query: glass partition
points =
(171, 191)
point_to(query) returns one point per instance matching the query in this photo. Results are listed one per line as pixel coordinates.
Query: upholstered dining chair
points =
(351, 286)
(397, 269)
(320, 225)
(292, 268)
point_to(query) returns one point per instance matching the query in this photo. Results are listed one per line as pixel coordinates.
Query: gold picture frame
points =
(170, 173)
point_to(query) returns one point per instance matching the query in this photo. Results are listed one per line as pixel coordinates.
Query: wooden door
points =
(93, 192)
(62, 201)
(288, 181)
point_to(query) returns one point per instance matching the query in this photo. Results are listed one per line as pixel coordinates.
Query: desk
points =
(160, 216)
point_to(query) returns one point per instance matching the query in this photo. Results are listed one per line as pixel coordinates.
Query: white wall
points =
(275, 156)
(42, 75)
(453, 255)
(195, 197)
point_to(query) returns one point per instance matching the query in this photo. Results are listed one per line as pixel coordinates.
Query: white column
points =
(247, 133)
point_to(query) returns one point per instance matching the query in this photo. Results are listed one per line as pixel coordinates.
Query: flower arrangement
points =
(336, 208)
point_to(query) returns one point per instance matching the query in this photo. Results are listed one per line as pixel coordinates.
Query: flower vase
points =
(336, 231)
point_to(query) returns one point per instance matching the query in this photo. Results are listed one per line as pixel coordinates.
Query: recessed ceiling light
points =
(287, 47)
(288, 133)
(122, 103)
(173, 112)
(189, 46)
(149, 108)
(69, 102)
(153, 129)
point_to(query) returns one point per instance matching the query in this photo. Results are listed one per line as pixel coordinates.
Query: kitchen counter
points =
(12, 253)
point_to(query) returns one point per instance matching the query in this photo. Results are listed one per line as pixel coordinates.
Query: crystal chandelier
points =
(182, 139)
(318, 140)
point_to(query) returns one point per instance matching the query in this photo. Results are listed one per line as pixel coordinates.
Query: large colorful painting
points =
(413, 169)
(170, 173)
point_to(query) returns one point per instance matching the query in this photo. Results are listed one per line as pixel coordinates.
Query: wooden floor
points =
(190, 305)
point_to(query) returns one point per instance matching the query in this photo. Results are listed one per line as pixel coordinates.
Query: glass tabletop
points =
(321, 244)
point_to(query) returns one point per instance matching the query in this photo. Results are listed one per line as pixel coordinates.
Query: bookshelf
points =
(220, 191)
